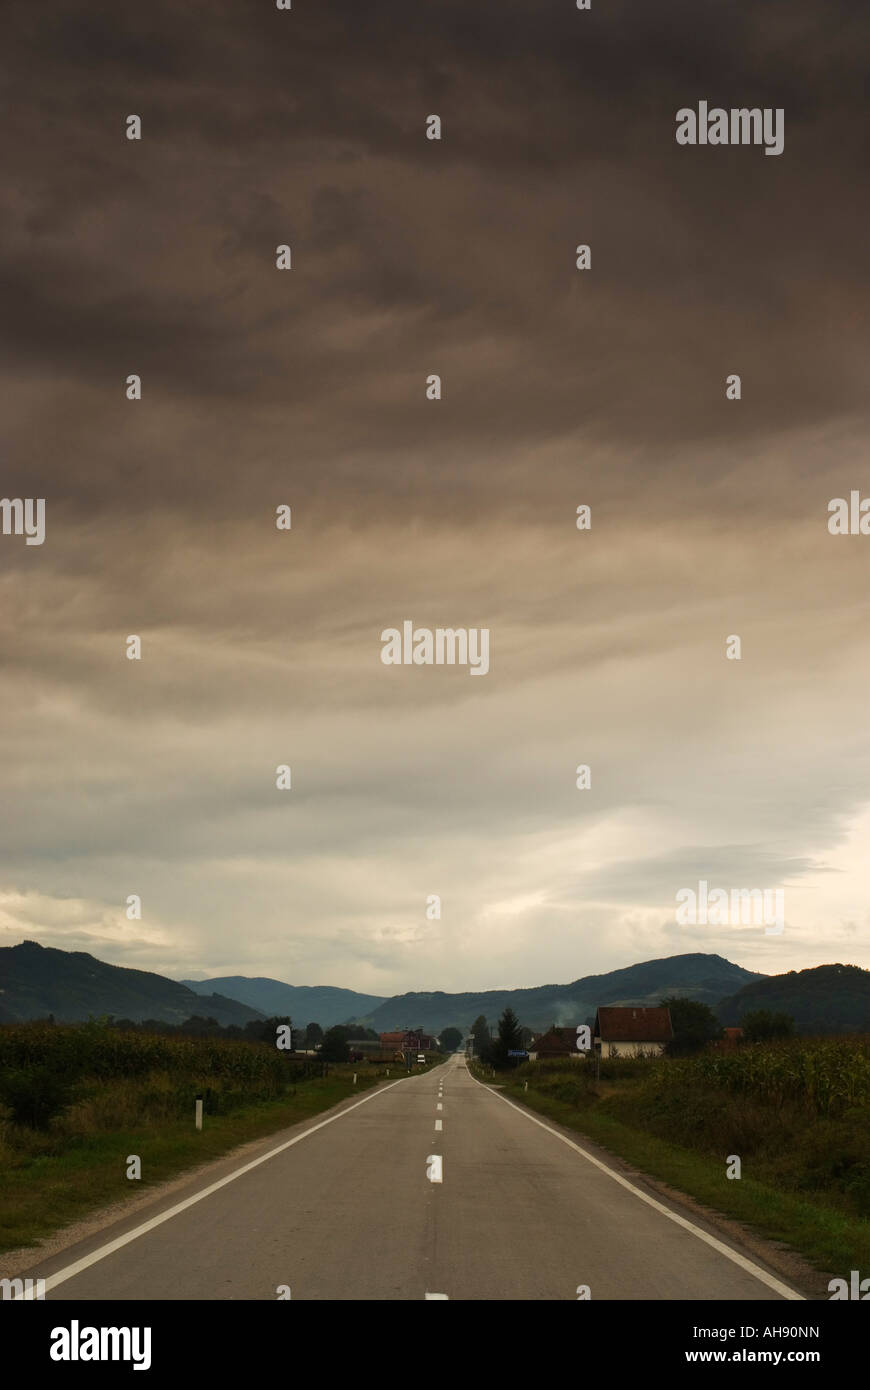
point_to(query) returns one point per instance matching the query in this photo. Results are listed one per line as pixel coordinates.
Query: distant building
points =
(555, 1043)
(632, 1032)
(407, 1040)
(731, 1041)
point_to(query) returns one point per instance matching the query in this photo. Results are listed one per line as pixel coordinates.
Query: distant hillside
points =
(321, 1004)
(826, 999)
(37, 980)
(707, 978)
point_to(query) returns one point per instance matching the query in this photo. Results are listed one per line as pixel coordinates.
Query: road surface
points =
(434, 1186)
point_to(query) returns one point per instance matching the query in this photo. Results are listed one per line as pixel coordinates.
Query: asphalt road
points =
(349, 1206)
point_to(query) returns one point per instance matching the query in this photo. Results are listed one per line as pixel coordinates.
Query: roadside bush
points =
(34, 1095)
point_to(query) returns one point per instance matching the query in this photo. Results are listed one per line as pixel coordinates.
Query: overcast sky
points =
(307, 387)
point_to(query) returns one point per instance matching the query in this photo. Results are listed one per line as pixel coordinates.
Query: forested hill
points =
(36, 981)
(707, 978)
(825, 999)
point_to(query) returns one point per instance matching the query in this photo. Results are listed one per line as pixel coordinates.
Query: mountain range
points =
(707, 978)
(323, 1004)
(36, 981)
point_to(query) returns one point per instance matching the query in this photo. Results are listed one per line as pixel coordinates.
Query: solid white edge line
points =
(100, 1254)
(723, 1249)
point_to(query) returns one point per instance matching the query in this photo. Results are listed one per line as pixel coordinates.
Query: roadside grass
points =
(803, 1180)
(52, 1177)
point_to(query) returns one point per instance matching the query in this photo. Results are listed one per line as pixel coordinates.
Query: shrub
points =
(34, 1095)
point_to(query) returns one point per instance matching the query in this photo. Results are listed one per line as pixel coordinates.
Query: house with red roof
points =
(555, 1043)
(407, 1040)
(629, 1031)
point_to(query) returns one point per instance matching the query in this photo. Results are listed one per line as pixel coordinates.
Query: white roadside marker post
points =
(199, 1112)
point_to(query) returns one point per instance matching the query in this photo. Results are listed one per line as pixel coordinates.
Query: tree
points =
(335, 1048)
(266, 1029)
(482, 1040)
(510, 1039)
(358, 1030)
(694, 1025)
(313, 1035)
(200, 1027)
(762, 1025)
(450, 1039)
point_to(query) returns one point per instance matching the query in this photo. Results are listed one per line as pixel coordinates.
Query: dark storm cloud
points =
(659, 879)
(455, 257)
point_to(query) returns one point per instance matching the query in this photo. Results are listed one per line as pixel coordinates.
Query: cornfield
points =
(828, 1075)
(94, 1051)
